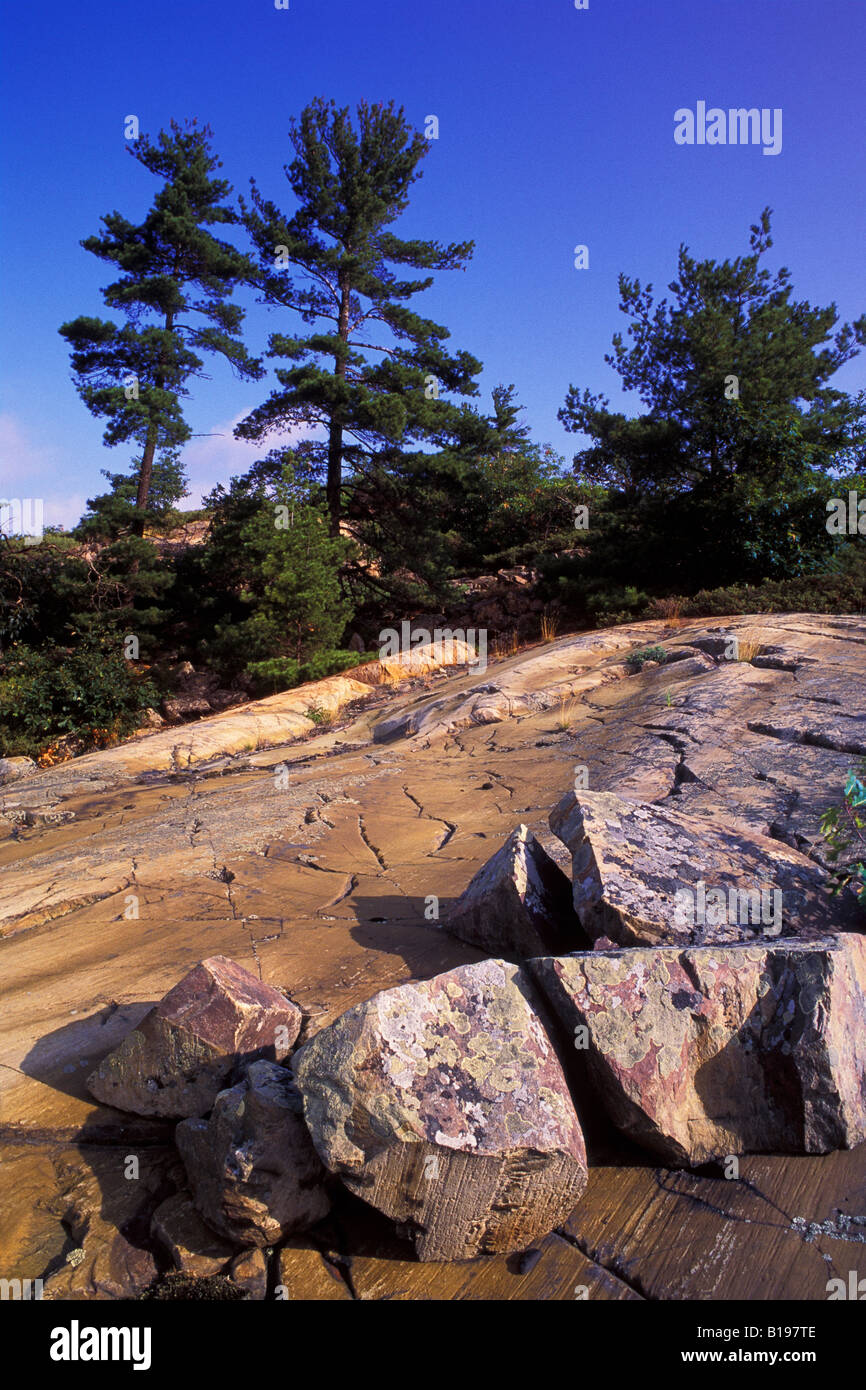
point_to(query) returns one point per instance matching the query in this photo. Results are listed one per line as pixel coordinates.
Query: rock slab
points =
(185, 1051)
(645, 874)
(253, 1172)
(712, 1051)
(443, 1104)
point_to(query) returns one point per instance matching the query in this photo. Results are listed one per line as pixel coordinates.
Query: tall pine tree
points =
(371, 370)
(176, 280)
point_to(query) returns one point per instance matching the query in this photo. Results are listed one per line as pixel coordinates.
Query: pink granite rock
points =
(721, 1050)
(443, 1104)
(186, 1050)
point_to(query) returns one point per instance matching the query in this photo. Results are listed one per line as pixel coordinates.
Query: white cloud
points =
(217, 456)
(30, 470)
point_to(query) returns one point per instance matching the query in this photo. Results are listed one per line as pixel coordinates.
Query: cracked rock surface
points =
(325, 859)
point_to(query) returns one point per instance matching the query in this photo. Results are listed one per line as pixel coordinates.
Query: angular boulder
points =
(253, 1172)
(721, 1050)
(645, 874)
(187, 1048)
(519, 904)
(443, 1104)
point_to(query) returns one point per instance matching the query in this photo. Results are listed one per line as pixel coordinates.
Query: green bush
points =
(284, 672)
(844, 829)
(639, 659)
(820, 593)
(88, 695)
(616, 606)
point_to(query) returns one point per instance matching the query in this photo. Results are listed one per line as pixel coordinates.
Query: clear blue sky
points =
(556, 128)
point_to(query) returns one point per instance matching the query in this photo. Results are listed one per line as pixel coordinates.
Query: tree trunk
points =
(149, 454)
(145, 476)
(335, 436)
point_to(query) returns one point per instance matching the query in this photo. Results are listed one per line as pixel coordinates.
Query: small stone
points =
(13, 769)
(249, 1270)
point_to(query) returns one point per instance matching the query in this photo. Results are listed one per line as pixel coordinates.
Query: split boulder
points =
(187, 1049)
(645, 874)
(443, 1104)
(721, 1050)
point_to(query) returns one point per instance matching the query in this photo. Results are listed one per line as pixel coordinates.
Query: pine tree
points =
(268, 582)
(732, 353)
(371, 370)
(723, 477)
(176, 279)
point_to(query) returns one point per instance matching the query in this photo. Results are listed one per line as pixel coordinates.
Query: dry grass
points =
(566, 712)
(670, 609)
(505, 644)
(549, 626)
(749, 645)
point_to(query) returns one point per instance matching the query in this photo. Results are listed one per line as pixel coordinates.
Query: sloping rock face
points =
(183, 1052)
(518, 904)
(252, 1168)
(442, 1103)
(644, 873)
(318, 865)
(713, 1051)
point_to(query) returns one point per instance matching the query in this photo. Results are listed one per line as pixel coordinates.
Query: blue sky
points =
(556, 129)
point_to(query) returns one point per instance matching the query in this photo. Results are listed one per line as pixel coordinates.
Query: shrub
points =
(819, 593)
(89, 697)
(844, 829)
(639, 659)
(615, 606)
(318, 714)
(284, 672)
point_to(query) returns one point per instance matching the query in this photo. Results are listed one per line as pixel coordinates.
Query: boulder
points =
(519, 904)
(721, 1050)
(186, 1049)
(186, 1239)
(443, 1104)
(252, 1169)
(181, 707)
(646, 874)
